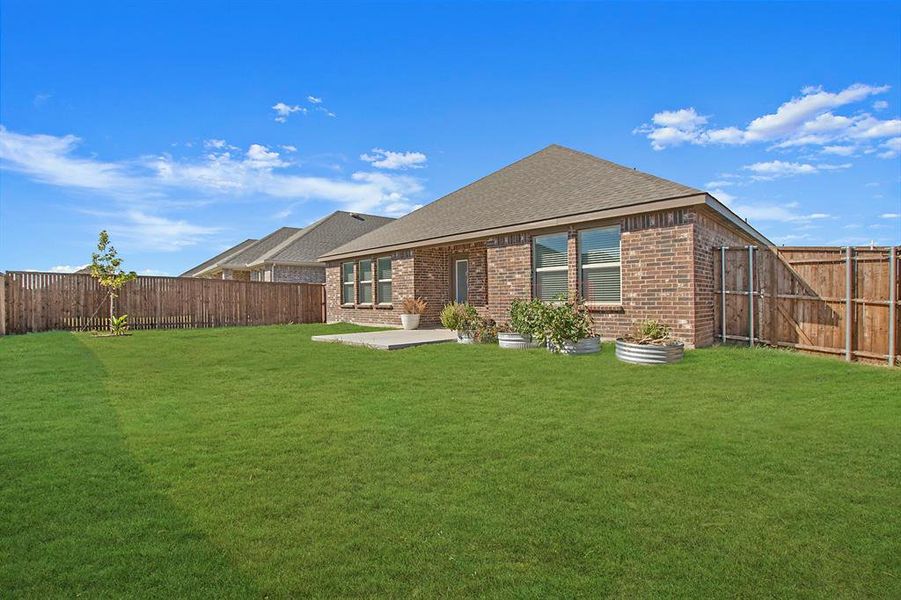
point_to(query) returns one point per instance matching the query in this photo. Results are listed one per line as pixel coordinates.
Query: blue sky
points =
(184, 128)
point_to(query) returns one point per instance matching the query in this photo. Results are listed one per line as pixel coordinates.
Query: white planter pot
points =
(586, 346)
(465, 337)
(514, 341)
(410, 321)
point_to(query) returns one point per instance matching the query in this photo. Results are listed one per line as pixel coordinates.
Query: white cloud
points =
(782, 213)
(66, 268)
(49, 159)
(261, 157)
(890, 216)
(314, 100)
(288, 148)
(722, 196)
(880, 105)
(386, 159)
(147, 187)
(283, 111)
(765, 171)
(804, 120)
(892, 148)
(214, 144)
(840, 150)
(153, 273)
(719, 183)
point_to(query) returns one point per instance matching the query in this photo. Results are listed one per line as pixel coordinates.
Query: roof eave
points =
(746, 227)
(641, 207)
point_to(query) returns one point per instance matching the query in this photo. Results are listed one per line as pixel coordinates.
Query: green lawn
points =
(252, 462)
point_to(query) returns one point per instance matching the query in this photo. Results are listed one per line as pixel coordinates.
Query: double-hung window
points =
(364, 268)
(347, 283)
(383, 272)
(551, 262)
(599, 265)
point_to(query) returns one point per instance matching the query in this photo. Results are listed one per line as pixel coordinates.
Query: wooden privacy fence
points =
(833, 300)
(43, 301)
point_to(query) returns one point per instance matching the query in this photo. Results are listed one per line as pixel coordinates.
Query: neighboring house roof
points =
(222, 255)
(293, 245)
(538, 190)
(307, 245)
(250, 255)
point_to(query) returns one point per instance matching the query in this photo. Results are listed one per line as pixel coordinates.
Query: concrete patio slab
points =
(394, 339)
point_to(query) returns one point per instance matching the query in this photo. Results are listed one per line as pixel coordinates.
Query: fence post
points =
(892, 300)
(848, 307)
(2, 304)
(723, 292)
(751, 296)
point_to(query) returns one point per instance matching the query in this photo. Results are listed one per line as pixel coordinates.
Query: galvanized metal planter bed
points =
(515, 341)
(586, 346)
(649, 354)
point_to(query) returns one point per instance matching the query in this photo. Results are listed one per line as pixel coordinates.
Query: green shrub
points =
(566, 320)
(460, 317)
(527, 317)
(651, 331)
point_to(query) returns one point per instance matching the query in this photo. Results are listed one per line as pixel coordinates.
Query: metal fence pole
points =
(892, 300)
(848, 304)
(751, 296)
(723, 292)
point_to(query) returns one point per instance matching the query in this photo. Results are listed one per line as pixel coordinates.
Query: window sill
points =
(385, 306)
(606, 308)
(363, 305)
(347, 305)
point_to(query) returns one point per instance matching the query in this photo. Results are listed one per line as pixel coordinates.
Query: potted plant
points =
(567, 327)
(651, 344)
(413, 308)
(525, 327)
(461, 318)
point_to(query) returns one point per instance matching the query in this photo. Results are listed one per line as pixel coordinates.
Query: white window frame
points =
(362, 282)
(618, 264)
(536, 269)
(377, 297)
(350, 283)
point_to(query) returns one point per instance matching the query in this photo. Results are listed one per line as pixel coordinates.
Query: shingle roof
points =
(552, 183)
(249, 255)
(233, 250)
(308, 244)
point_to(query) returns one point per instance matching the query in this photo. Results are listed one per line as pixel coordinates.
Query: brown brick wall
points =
(401, 287)
(667, 274)
(510, 272)
(297, 274)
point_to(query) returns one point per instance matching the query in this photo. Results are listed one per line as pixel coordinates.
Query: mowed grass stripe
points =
(324, 470)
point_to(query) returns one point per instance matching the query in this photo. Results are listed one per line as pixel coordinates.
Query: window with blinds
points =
(551, 261)
(347, 283)
(383, 271)
(365, 289)
(600, 278)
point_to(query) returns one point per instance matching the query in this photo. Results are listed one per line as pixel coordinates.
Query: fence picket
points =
(839, 301)
(41, 301)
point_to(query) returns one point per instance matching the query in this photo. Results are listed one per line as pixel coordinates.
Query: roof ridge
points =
(632, 170)
(293, 238)
(239, 247)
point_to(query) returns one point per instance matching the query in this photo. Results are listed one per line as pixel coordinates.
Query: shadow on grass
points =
(78, 515)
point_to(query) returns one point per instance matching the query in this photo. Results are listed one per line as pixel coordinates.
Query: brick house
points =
(633, 245)
(288, 254)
